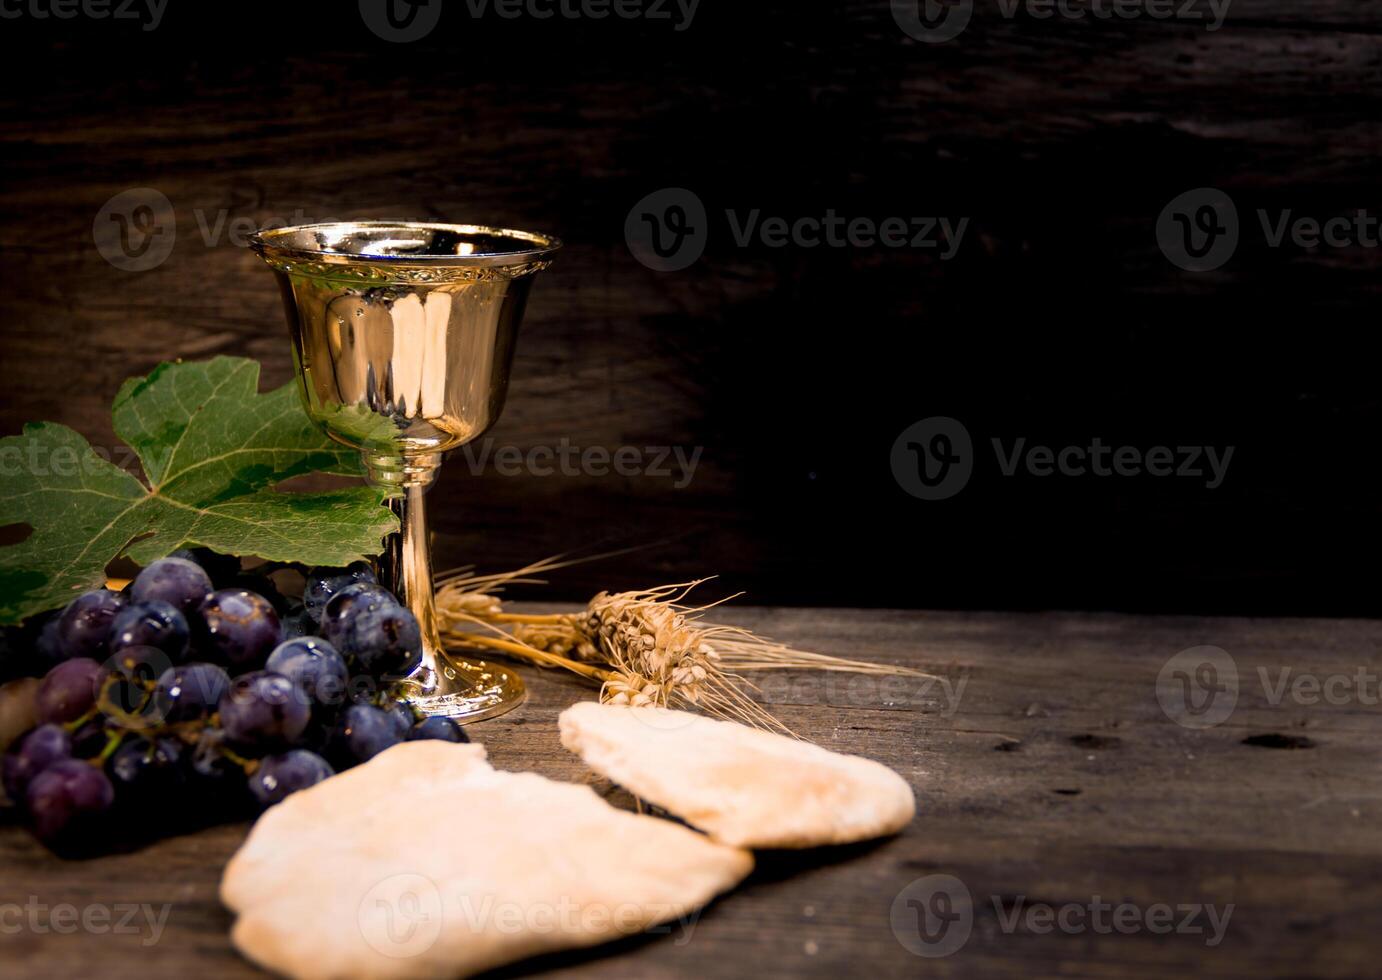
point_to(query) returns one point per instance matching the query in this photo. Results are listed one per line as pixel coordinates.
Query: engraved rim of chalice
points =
(288, 243)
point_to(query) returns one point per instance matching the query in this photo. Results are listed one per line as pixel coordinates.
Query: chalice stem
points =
(405, 568)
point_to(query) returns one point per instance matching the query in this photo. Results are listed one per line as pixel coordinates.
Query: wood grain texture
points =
(792, 369)
(1056, 778)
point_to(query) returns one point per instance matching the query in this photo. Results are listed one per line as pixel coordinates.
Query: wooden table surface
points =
(1046, 773)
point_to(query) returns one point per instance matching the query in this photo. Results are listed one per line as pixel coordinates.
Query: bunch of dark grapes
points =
(199, 694)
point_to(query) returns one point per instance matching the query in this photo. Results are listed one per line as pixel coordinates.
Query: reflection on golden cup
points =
(403, 335)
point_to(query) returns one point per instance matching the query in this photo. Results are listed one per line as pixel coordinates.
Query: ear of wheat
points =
(645, 647)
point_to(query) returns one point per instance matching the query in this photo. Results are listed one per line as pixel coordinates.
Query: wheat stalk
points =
(645, 647)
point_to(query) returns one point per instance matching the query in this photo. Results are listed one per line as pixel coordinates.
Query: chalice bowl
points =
(403, 334)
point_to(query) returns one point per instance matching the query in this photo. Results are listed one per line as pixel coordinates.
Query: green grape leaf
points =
(214, 451)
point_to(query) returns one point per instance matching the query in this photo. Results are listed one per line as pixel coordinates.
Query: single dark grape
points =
(67, 802)
(314, 666)
(148, 777)
(323, 583)
(384, 640)
(31, 755)
(84, 626)
(69, 690)
(362, 733)
(279, 776)
(151, 624)
(441, 729)
(238, 629)
(342, 608)
(190, 692)
(181, 583)
(263, 712)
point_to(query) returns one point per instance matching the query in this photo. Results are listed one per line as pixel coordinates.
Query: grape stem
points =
(75, 724)
(249, 765)
(113, 741)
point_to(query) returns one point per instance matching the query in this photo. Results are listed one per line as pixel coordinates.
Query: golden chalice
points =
(403, 334)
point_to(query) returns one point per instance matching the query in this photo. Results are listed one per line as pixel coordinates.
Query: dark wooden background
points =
(794, 369)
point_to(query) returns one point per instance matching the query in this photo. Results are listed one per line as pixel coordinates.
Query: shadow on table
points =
(564, 959)
(771, 866)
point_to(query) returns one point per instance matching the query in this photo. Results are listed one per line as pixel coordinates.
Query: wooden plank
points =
(1048, 774)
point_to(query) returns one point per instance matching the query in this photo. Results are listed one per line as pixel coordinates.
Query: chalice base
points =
(463, 690)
